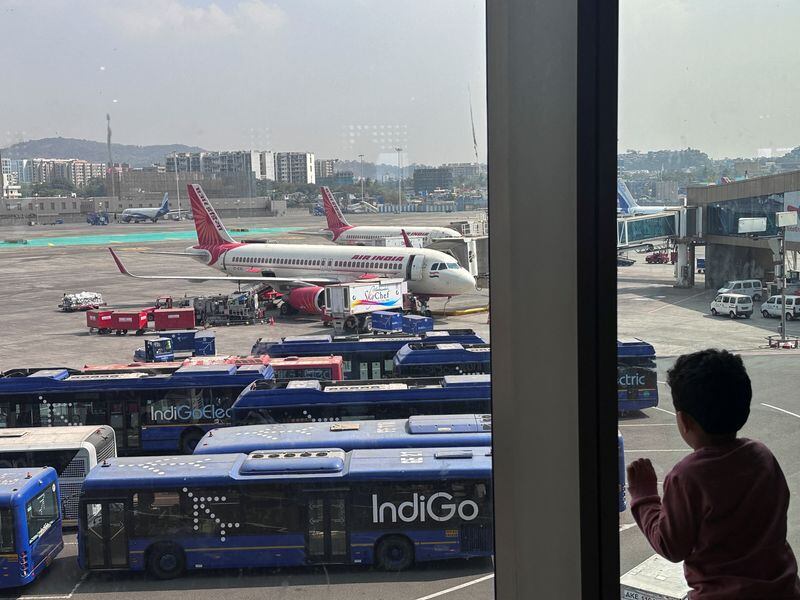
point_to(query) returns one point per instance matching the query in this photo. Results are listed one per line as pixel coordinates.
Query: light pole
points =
(361, 156)
(399, 178)
(177, 187)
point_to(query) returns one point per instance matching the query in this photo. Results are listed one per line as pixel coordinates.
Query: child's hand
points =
(642, 478)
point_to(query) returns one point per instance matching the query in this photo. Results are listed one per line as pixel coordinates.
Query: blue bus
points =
(369, 356)
(309, 401)
(434, 359)
(388, 507)
(30, 523)
(637, 385)
(148, 412)
(418, 431)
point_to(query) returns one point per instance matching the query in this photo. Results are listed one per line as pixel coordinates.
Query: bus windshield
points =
(41, 512)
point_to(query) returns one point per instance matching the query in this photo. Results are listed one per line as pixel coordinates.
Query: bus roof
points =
(142, 473)
(634, 347)
(63, 380)
(418, 430)
(51, 438)
(16, 482)
(441, 353)
(313, 391)
(326, 344)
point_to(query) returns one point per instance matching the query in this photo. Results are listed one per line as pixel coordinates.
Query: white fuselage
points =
(367, 234)
(428, 272)
(141, 214)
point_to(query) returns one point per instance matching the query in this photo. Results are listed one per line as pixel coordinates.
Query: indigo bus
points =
(637, 385)
(30, 524)
(148, 412)
(369, 356)
(309, 401)
(389, 507)
(71, 451)
(432, 359)
(285, 369)
(418, 431)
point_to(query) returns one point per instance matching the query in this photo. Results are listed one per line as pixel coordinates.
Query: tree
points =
(96, 186)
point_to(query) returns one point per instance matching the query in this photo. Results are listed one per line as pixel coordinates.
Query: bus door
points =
(125, 417)
(106, 536)
(326, 537)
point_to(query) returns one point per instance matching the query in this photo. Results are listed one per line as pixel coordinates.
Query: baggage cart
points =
(173, 318)
(417, 324)
(205, 344)
(383, 320)
(124, 321)
(99, 321)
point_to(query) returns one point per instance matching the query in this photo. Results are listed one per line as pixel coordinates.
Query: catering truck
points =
(349, 305)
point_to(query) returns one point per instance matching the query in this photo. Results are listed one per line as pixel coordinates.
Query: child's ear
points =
(684, 421)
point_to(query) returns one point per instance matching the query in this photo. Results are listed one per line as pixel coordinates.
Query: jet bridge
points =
(681, 226)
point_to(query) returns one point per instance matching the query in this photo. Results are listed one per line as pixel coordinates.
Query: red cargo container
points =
(133, 320)
(173, 318)
(99, 320)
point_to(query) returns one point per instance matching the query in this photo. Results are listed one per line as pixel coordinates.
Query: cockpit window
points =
(437, 266)
(452, 265)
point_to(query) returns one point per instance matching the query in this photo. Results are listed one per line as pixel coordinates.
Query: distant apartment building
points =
(427, 180)
(666, 191)
(67, 170)
(295, 167)
(465, 170)
(324, 167)
(233, 162)
(10, 187)
(267, 158)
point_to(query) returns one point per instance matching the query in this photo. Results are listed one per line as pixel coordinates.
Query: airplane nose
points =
(465, 281)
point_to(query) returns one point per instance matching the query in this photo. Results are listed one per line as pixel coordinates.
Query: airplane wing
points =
(325, 234)
(292, 282)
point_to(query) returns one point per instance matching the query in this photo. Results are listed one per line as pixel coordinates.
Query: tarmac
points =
(677, 321)
(33, 278)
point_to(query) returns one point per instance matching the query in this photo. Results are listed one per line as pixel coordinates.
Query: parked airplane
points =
(628, 207)
(341, 232)
(146, 214)
(304, 270)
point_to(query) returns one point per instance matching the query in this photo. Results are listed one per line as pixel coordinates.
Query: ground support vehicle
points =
(134, 321)
(170, 514)
(99, 320)
(732, 305)
(81, 301)
(773, 307)
(350, 305)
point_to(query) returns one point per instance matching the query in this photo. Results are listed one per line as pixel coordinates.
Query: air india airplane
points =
(341, 232)
(304, 270)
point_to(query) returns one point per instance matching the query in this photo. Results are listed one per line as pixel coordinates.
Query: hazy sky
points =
(718, 75)
(337, 78)
(343, 77)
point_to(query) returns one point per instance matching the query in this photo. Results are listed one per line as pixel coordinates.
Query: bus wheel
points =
(189, 441)
(166, 561)
(394, 553)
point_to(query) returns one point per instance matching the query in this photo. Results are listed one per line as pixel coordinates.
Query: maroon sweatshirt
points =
(724, 515)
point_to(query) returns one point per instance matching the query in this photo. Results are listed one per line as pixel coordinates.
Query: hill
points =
(136, 156)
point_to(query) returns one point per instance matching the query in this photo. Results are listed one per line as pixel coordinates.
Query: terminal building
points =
(731, 255)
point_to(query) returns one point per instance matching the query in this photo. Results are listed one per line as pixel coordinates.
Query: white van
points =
(772, 307)
(750, 287)
(733, 305)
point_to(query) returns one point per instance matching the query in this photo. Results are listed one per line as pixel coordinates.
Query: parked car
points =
(733, 305)
(751, 287)
(772, 307)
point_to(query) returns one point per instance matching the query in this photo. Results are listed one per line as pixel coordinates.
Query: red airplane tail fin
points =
(333, 214)
(210, 229)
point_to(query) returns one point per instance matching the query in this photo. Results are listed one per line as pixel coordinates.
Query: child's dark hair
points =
(712, 386)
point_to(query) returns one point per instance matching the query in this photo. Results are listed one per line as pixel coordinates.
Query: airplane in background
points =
(146, 213)
(340, 231)
(303, 271)
(628, 207)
